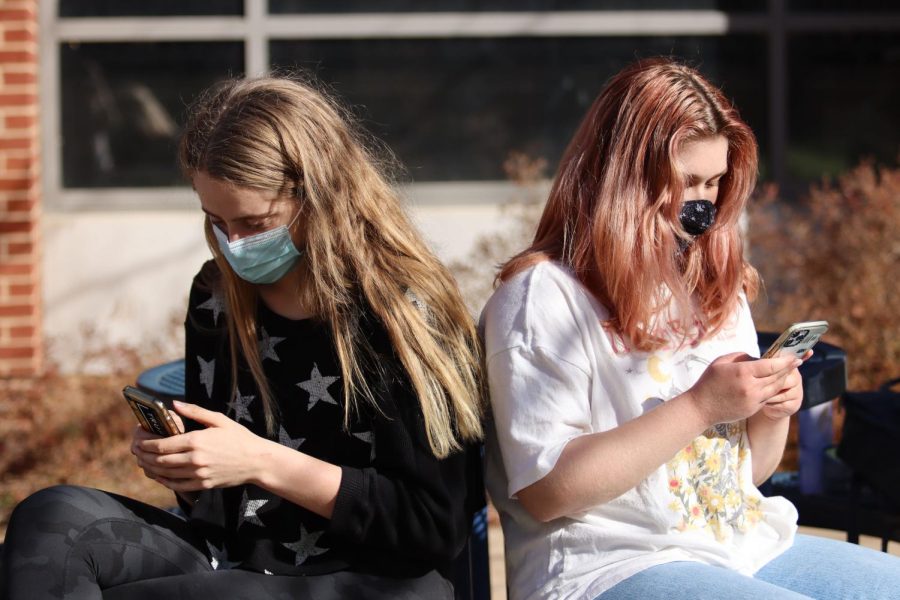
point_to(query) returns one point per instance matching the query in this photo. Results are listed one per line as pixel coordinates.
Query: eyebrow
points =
(243, 218)
(692, 179)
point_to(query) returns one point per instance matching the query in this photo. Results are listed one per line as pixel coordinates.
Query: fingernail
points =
(177, 403)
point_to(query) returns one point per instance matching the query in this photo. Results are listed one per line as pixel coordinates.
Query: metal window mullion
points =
(256, 56)
(50, 103)
(778, 91)
(149, 29)
(499, 24)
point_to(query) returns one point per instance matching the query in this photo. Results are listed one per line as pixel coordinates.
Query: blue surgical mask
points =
(262, 258)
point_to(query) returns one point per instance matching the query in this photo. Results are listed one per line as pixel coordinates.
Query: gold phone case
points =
(151, 413)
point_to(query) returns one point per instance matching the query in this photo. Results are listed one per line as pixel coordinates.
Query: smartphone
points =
(797, 339)
(150, 411)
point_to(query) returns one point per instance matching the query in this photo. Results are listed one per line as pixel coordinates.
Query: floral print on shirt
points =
(710, 483)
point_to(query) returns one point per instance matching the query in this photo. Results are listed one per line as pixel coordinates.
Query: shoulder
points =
(542, 306)
(206, 302)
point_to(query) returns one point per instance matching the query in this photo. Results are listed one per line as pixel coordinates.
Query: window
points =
(452, 86)
(845, 90)
(118, 8)
(122, 106)
(465, 103)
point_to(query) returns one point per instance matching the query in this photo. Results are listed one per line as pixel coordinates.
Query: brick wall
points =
(20, 252)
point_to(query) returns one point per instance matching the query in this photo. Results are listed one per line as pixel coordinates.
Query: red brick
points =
(16, 14)
(19, 78)
(15, 227)
(16, 310)
(20, 247)
(20, 205)
(17, 56)
(17, 99)
(19, 121)
(22, 332)
(26, 352)
(19, 35)
(21, 289)
(15, 184)
(14, 163)
(15, 143)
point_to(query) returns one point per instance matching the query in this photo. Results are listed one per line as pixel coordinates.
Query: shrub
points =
(835, 255)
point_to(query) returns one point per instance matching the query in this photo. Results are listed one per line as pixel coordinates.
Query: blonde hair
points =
(612, 214)
(278, 134)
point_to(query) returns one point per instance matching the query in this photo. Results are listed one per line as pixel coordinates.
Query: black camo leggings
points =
(80, 543)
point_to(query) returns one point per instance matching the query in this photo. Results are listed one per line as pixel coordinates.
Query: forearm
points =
(297, 477)
(767, 439)
(596, 468)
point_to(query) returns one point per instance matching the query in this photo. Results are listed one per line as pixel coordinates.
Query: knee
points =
(56, 504)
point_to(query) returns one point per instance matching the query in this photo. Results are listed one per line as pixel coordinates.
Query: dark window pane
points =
(844, 93)
(339, 6)
(148, 8)
(122, 105)
(452, 109)
(854, 6)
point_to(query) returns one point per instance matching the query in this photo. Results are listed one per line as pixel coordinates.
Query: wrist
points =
(693, 408)
(261, 461)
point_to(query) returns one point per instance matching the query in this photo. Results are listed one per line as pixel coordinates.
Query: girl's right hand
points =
(139, 435)
(736, 386)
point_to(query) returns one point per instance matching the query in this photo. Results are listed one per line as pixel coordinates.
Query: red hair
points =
(612, 214)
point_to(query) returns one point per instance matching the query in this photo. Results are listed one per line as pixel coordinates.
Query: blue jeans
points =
(813, 567)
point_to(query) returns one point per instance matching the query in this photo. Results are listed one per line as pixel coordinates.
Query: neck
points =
(284, 298)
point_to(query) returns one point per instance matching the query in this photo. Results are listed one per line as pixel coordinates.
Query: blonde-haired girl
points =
(631, 424)
(333, 387)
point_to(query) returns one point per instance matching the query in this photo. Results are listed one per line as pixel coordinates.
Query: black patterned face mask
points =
(696, 217)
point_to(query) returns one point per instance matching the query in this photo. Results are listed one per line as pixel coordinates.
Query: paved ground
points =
(498, 575)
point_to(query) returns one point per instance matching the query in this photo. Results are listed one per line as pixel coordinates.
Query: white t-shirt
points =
(554, 375)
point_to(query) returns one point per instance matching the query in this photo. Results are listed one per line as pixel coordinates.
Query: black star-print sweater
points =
(399, 511)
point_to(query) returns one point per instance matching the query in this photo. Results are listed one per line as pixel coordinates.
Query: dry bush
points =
(75, 429)
(518, 221)
(835, 255)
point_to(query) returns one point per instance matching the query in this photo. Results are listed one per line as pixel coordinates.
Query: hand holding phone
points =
(150, 411)
(797, 339)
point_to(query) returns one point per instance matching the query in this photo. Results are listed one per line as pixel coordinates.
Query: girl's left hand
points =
(224, 454)
(788, 400)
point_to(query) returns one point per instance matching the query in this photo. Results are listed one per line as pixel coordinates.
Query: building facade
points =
(451, 86)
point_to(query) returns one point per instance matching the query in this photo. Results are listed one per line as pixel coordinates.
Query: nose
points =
(701, 192)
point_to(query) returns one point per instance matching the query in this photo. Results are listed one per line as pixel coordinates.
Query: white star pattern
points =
(317, 386)
(218, 558)
(286, 440)
(207, 374)
(248, 510)
(216, 304)
(305, 546)
(240, 406)
(368, 438)
(267, 346)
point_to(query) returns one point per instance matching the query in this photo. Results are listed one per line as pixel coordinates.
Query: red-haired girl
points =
(631, 422)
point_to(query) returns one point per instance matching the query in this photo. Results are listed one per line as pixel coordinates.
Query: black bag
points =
(870, 444)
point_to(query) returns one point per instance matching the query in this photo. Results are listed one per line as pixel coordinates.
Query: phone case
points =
(151, 413)
(797, 339)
